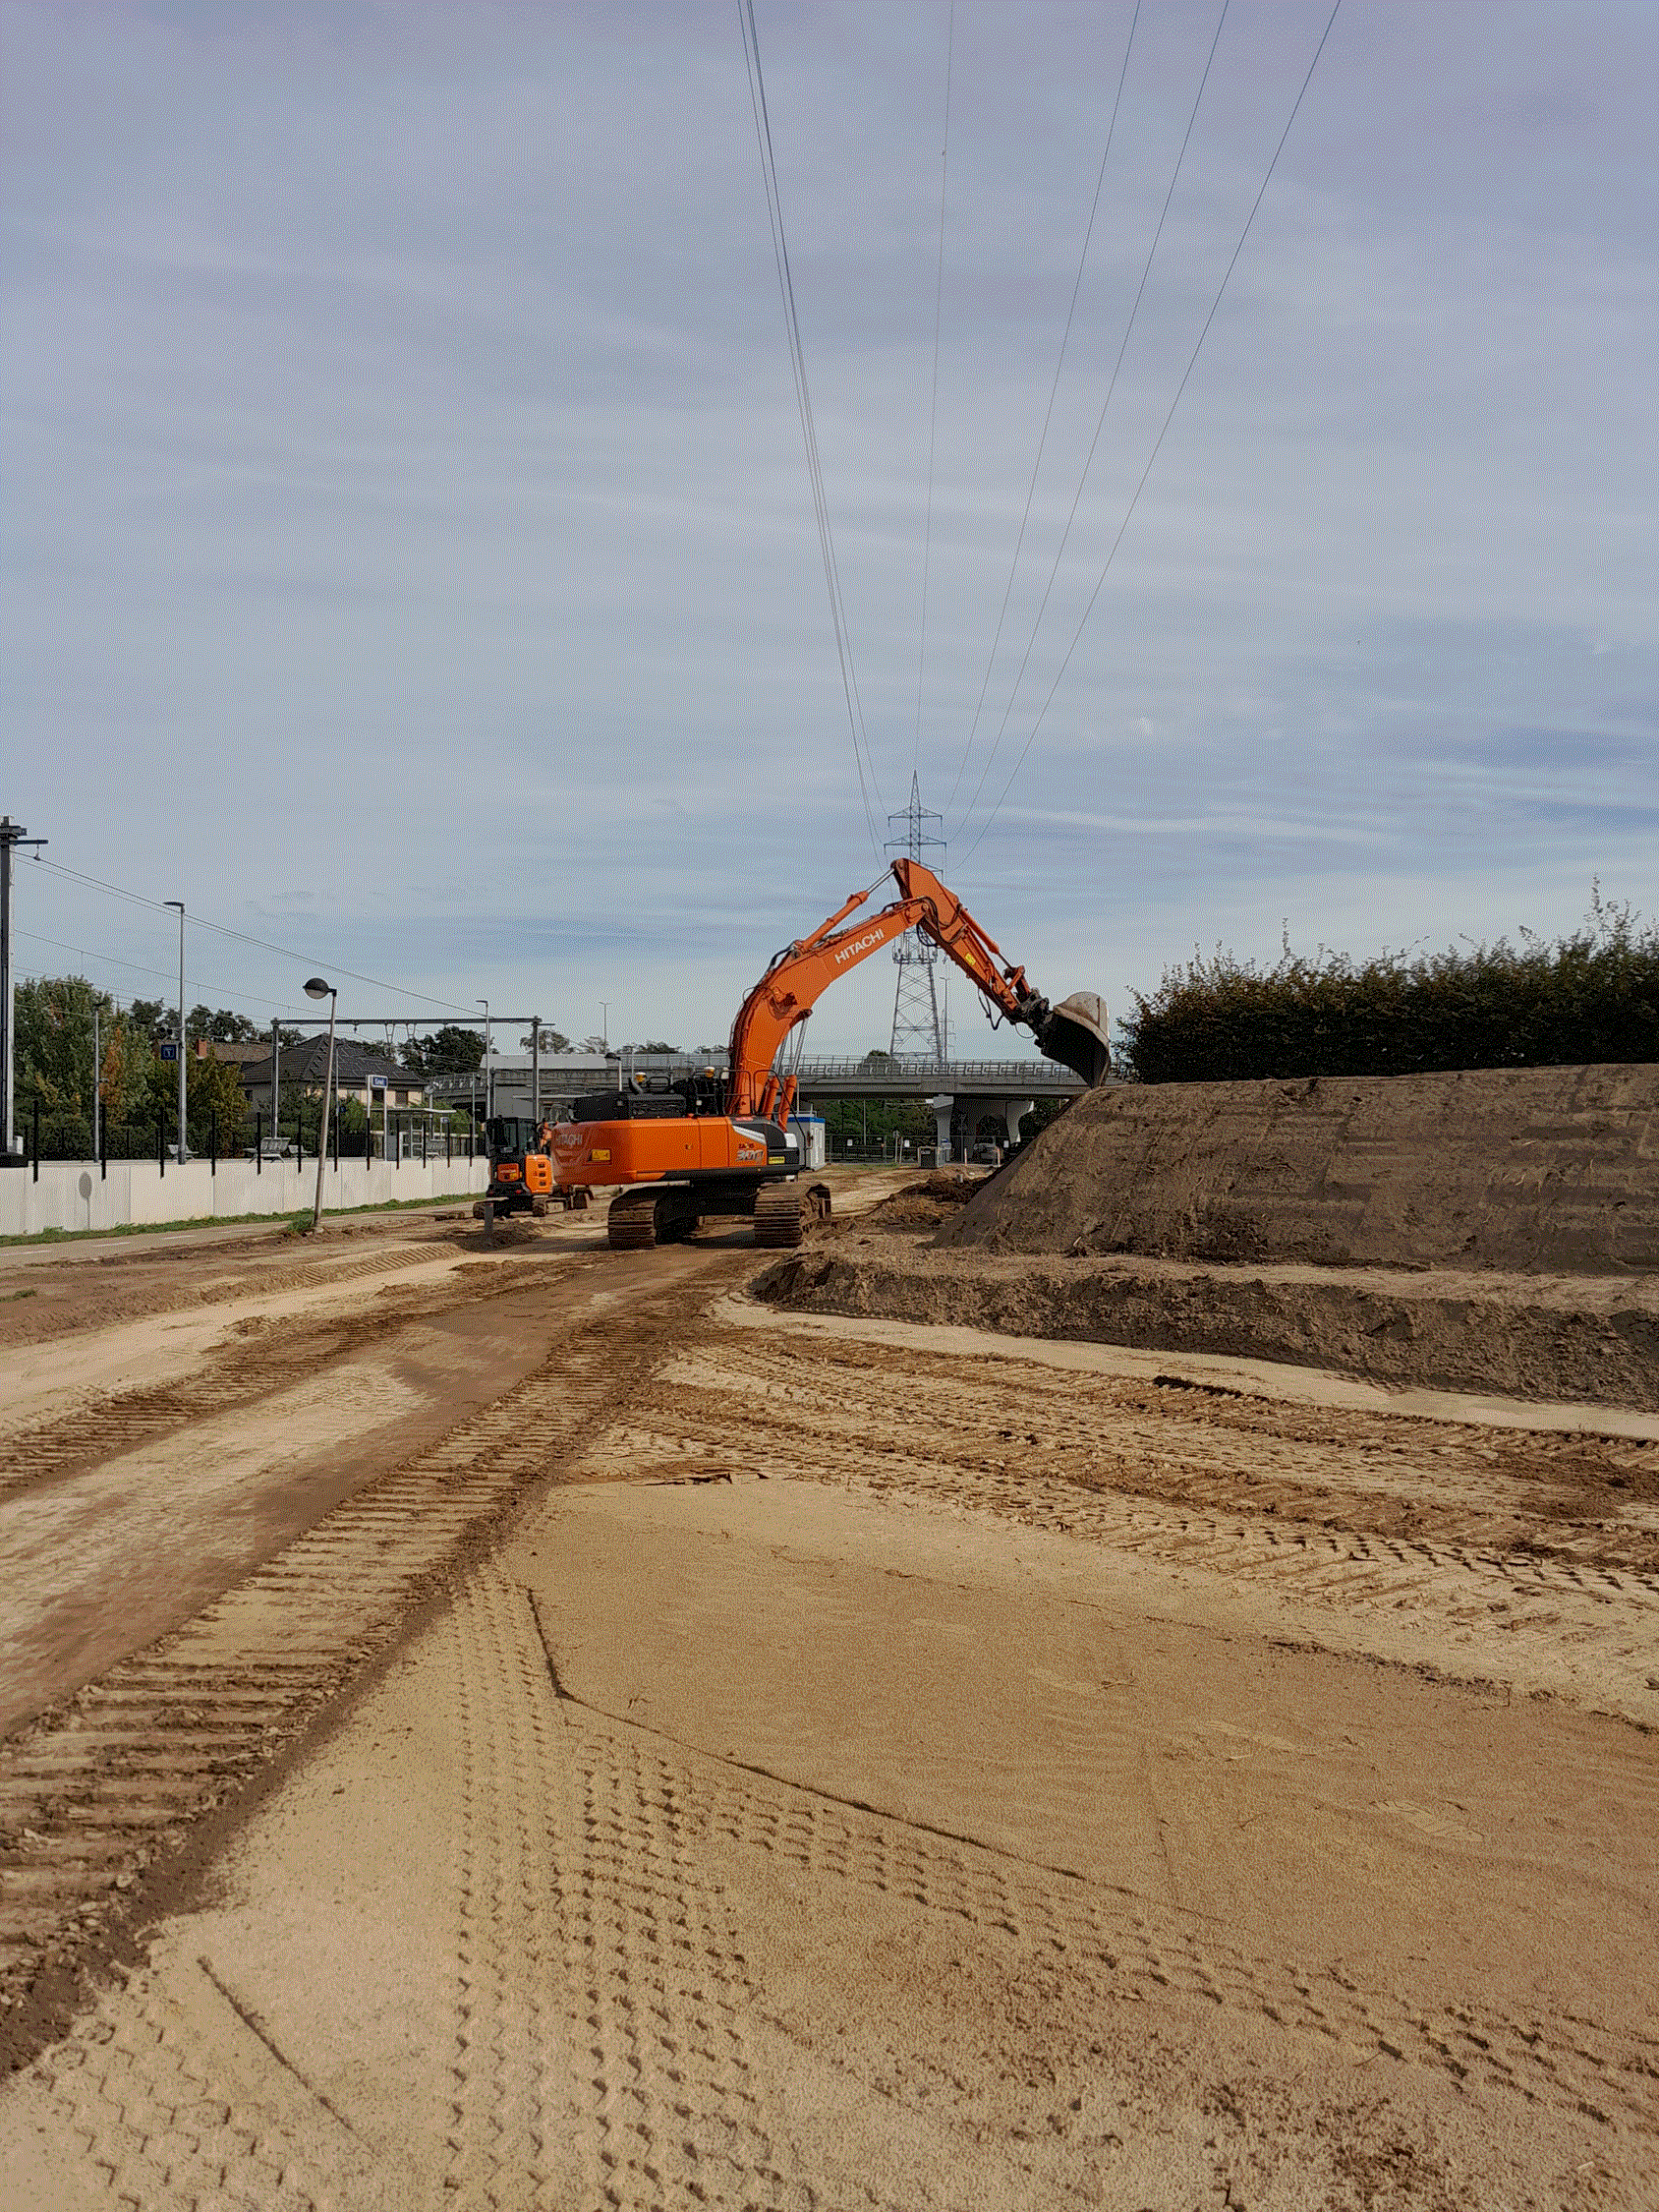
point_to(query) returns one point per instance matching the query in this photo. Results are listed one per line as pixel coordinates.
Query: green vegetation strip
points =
(1592, 998)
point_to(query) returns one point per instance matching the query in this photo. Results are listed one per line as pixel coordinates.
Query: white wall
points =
(75, 1195)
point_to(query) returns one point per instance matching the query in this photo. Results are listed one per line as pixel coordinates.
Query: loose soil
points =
(1547, 1169)
(669, 1748)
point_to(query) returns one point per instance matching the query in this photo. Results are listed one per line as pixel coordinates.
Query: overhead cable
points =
(138, 967)
(862, 757)
(1159, 440)
(1112, 386)
(933, 412)
(241, 937)
(1053, 388)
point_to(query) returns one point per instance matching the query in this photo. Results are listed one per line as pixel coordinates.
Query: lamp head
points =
(317, 989)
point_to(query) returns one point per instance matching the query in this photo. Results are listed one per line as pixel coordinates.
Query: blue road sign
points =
(169, 1052)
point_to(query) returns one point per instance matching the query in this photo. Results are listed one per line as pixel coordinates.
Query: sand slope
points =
(1551, 1168)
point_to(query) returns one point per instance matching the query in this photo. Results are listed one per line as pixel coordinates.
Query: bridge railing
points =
(944, 1075)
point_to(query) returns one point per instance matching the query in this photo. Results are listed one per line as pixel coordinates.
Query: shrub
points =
(1592, 996)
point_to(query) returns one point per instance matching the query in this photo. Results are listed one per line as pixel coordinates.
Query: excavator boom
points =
(1073, 1033)
(678, 1159)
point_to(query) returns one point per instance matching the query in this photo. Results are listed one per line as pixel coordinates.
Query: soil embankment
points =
(1584, 1343)
(1492, 1230)
(1552, 1169)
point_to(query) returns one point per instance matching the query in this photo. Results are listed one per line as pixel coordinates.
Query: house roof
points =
(354, 1065)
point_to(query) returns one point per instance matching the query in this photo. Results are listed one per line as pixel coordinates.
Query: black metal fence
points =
(294, 1139)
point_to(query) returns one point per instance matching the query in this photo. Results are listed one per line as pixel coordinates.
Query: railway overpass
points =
(961, 1092)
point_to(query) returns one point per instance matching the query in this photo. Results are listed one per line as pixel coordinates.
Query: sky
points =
(407, 549)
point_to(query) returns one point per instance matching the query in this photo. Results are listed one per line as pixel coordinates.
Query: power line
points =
(933, 413)
(1158, 443)
(241, 937)
(167, 975)
(1053, 388)
(1088, 463)
(809, 431)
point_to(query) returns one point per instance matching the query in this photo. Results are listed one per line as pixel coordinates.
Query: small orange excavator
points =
(706, 1149)
(520, 1176)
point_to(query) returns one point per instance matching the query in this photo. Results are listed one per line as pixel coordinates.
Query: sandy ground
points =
(663, 1750)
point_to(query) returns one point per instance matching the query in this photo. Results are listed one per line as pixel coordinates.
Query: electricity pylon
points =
(920, 1027)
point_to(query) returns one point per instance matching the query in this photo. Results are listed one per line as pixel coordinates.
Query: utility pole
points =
(535, 1073)
(276, 1084)
(183, 1138)
(317, 988)
(97, 1082)
(12, 835)
(488, 1071)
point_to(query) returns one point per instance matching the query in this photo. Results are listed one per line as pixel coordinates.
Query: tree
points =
(53, 1049)
(214, 1092)
(449, 1051)
(220, 1026)
(152, 1018)
(656, 1044)
(870, 1122)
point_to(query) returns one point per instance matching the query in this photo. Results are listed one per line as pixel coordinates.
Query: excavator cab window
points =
(703, 1094)
(510, 1136)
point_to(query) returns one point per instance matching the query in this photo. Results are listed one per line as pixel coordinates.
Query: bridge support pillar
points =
(942, 1111)
(1014, 1111)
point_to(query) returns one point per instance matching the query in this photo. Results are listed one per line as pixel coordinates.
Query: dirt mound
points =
(1524, 1169)
(922, 1204)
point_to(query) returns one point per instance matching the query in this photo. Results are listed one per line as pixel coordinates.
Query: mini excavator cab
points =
(520, 1172)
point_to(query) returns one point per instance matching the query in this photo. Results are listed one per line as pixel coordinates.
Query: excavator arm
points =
(1073, 1033)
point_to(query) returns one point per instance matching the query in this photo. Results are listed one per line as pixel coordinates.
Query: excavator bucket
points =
(1076, 1035)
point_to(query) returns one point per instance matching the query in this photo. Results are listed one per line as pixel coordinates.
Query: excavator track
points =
(653, 1215)
(784, 1211)
(631, 1225)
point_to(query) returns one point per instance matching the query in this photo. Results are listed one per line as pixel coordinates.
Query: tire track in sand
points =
(94, 1790)
(1122, 1948)
(602, 2047)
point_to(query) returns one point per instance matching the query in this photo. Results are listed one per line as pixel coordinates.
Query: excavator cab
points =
(521, 1175)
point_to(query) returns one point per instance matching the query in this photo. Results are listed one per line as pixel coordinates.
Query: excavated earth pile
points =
(1496, 1230)
(1528, 1168)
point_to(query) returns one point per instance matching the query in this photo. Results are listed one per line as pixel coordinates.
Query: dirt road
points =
(540, 1727)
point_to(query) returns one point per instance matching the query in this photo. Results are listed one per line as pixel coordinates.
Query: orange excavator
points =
(707, 1149)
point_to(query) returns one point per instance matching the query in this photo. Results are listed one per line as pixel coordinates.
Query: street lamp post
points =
(183, 1138)
(488, 1071)
(317, 988)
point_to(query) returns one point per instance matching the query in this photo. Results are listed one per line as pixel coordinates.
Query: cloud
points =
(406, 524)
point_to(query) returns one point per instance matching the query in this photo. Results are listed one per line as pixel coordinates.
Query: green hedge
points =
(1593, 996)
